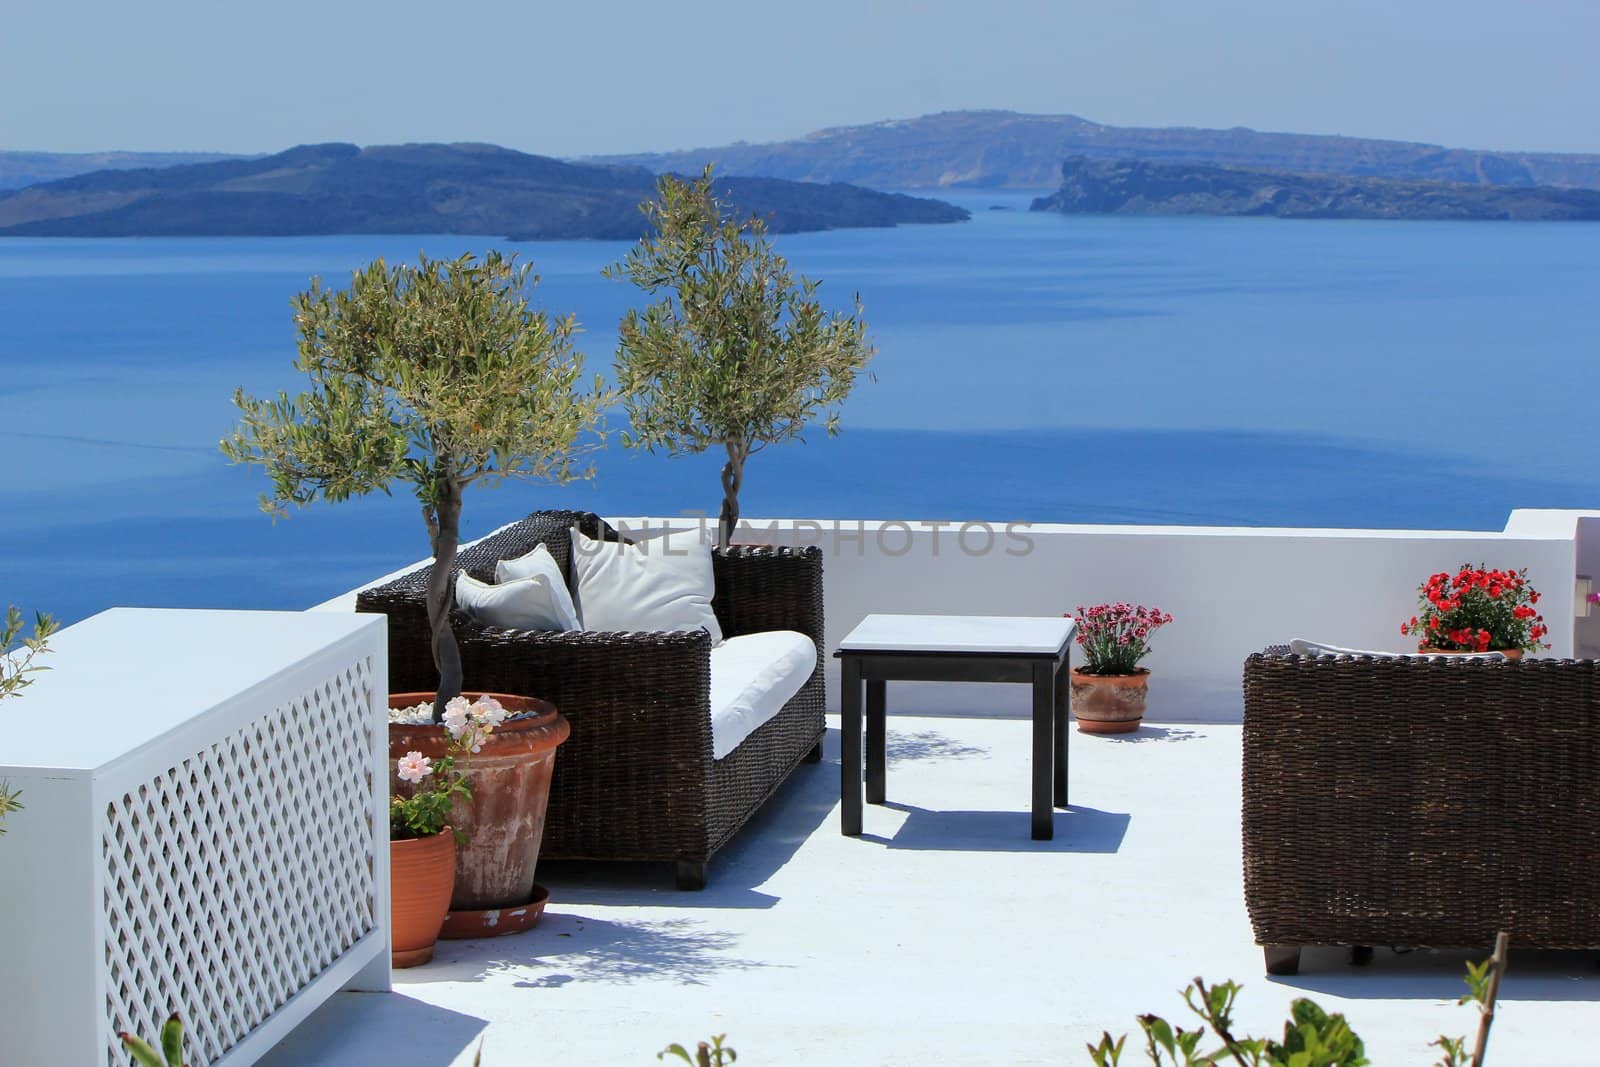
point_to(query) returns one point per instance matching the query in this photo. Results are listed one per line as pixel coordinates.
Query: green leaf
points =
(143, 1052)
(172, 1040)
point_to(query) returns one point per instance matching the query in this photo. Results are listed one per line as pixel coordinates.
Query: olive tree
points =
(17, 667)
(735, 352)
(438, 376)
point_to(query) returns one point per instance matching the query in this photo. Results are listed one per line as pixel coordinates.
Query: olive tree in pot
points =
(735, 352)
(438, 376)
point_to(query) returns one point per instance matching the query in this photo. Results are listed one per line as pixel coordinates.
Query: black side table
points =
(955, 648)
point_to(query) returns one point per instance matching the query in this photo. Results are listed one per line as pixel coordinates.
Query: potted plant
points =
(1477, 610)
(422, 841)
(736, 352)
(1108, 692)
(16, 667)
(438, 377)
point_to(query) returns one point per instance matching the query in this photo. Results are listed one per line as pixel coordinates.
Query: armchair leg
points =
(1282, 960)
(815, 755)
(691, 875)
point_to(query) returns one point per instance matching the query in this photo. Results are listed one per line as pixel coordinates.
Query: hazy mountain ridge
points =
(1008, 150)
(419, 188)
(18, 169)
(1133, 187)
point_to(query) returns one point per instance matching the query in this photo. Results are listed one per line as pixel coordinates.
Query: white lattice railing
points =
(205, 832)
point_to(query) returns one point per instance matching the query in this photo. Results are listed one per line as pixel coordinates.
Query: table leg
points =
(850, 746)
(1063, 690)
(877, 756)
(1044, 721)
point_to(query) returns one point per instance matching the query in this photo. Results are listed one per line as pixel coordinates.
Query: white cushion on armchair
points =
(752, 677)
(1316, 648)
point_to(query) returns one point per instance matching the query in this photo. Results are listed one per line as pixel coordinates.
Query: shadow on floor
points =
(359, 1029)
(927, 745)
(569, 948)
(1145, 733)
(1436, 974)
(1078, 829)
(757, 852)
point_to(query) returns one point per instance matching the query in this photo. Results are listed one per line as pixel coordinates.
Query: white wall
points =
(1232, 590)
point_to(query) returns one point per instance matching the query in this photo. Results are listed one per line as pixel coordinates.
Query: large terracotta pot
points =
(1109, 703)
(422, 871)
(504, 820)
(1512, 654)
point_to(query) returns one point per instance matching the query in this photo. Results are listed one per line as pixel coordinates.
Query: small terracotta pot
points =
(422, 872)
(510, 783)
(1512, 654)
(1109, 703)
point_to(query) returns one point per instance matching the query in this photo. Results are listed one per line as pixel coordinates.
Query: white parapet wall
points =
(205, 831)
(1232, 590)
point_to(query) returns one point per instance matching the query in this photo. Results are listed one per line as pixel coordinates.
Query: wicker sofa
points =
(1420, 802)
(636, 780)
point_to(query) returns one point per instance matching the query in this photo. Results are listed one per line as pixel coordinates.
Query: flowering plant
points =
(1477, 610)
(419, 810)
(1115, 637)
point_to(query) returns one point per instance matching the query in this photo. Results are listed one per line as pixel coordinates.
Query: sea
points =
(1030, 368)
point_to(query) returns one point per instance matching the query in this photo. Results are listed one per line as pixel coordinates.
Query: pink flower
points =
(488, 712)
(413, 767)
(455, 716)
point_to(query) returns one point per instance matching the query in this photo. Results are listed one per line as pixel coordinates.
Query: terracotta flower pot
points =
(504, 820)
(1109, 703)
(422, 872)
(1512, 654)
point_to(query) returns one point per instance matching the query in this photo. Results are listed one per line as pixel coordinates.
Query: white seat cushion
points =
(665, 583)
(752, 678)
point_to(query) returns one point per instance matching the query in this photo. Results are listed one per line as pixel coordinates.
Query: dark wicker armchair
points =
(1420, 802)
(636, 780)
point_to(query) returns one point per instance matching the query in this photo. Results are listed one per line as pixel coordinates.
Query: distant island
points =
(1007, 150)
(1135, 187)
(416, 188)
(29, 168)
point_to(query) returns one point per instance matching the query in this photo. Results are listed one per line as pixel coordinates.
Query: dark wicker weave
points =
(1427, 803)
(636, 780)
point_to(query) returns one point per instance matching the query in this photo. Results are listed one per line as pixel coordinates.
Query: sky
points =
(601, 76)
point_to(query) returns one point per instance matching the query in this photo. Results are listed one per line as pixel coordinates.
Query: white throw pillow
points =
(521, 604)
(541, 565)
(664, 583)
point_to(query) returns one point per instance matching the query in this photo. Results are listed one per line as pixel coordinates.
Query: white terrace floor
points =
(942, 935)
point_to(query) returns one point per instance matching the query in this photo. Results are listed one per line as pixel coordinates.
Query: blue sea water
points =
(1031, 368)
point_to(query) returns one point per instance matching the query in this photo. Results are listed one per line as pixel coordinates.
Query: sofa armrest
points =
(763, 587)
(640, 710)
(619, 690)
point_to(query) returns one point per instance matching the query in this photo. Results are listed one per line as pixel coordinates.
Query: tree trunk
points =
(444, 528)
(732, 479)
